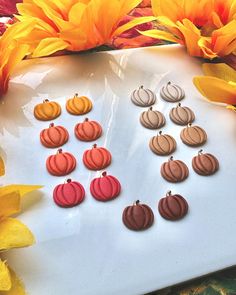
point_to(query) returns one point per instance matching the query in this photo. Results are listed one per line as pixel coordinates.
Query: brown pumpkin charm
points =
(205, 164)
(48, 110)
(162, 144)
(181, 115)
(174, 170)
(138, 216)
(173, 207)
(54, 136)
(152, 119)
(193, 135)
(79, 105)
(88, 130)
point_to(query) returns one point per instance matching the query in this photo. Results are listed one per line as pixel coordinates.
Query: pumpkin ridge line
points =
(63, 201)
(171, 173)
(166, 209)
(102, 194)
(167, 203)
(131, 209)
(182, 208)
(130, 220)
(113, 191)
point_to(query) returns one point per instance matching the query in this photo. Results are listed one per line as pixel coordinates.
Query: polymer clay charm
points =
(79, 105)
(172, 92)
(54, 136)
(193, 135)
(162, 144)
(173, 207)
(174, 170)
(88, 130)
(205, 164)
(138, 216)
(97, 158)
(182, 115)
(48, 110)
(69, 194)
(152, 119)
(143, 97)
(61, 164)
(105, 188)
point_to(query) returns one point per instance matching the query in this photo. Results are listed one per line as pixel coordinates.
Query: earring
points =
(54, 136)
(48, 110)
(152, 119)
(78, 105)
(143, 97)
(172, 92)
(205, 164)
(174, 170)
(88, 130)
(162, 144)
(181, 115)
(193, 135)
(97, 158)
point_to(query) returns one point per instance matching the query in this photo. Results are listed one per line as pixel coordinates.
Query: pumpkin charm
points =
(105, 188)
(138, 216)
(173, 207)
(193, 135)
(174, 170)
(97, 158)
(143, 97)
(152, 119)
(48, 110)
(172, 93)
(79, 105)
(162, 144)
(182, 115)
(69, 194)
(61, 164)
(88, 130)
(54, 136)
(205, 164)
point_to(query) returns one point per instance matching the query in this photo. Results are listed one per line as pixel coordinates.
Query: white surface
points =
(87, 250)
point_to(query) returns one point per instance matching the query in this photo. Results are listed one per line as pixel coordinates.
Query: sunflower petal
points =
(158, 34)
(5, 277)
(17, 287)
(49, 46)
(2, 167)
(220, 70)
(21, 188)
(9, 204)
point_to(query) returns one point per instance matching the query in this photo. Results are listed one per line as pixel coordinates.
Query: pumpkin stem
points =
(168, 193)
(137, 202)
(104, 173)
(95, 145)
(45, 100)
(59, 151)
(171, 158)
(141, 87)
(51, 125)
(86, 120)
(169, 83)
(189, 124)
(200, 152)
(68, 180)
(150, 109)
(179, 104)
(160, 132)
(76, 94)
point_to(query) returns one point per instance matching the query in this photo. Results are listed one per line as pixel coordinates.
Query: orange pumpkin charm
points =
(79, 105)
(97, 158)
(61, 164)
(54, 136)
(46, 111)
(88, 130)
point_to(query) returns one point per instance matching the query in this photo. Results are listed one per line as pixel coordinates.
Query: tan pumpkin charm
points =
(143, 97)
(172, 92)
(162, 144)
(79, 105)
(152, 119)
(181, 115)
(88, 130)
(174, 170)
(54, 136)
(193, 135)
(205, 164)
(46, 111)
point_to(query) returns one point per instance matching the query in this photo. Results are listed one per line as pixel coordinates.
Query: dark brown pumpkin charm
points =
(173, 207)
(205, 164)
(193, 135)
(162, 144)
(138, 216)
(174, 170)
(152, 119)
(181, 115)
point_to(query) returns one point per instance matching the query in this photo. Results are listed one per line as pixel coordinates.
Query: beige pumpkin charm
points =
(152, 119)
(205, 164)
(143, 97)
(172, 92)
(182, 115)
(193, 135)
(162, 144)
(174, 170)
(48, 110)
(78, 105)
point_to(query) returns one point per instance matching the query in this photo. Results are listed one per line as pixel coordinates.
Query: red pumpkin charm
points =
(69, 194)
(97, 158)
(88, 130)
(54, 136)
(61, 164)
(105, 188)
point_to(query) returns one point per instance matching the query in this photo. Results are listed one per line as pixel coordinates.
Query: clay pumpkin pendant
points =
(61, 164)
(173, 207)
(48, 110)
(174, 170)
(88, 130)
(97, 158)
(205, 164)
(152, 119)
(79, 105)
(193, 135)
(105, 188)
(143, 97)
(162, 144)
(172, 92)
(54, 136)
(182, 115)
(69, 194)
(138, 217)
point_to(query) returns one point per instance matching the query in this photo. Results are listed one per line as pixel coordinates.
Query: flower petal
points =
(17, 287)
(220, 70)
(158, 34)
(49, 46)
(9, 204)
(21, 188)
(5, 277)
(2, 167)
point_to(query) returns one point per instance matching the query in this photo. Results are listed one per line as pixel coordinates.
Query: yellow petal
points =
(158, 34)
(21, 188)
(49, 46)
(14, 234)
(127, 6)
(173, 9)
(76, 12)
(5, 277)
(9, 204)
(216, 89)
(17, 287)
(220, 70)
(2, 167)
(233, 108)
